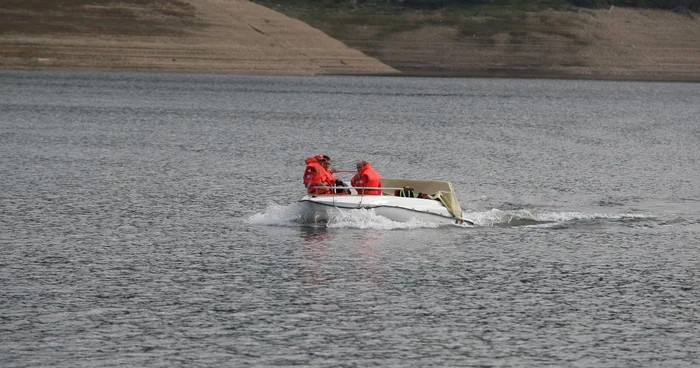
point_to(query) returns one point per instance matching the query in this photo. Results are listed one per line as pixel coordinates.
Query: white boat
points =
(440, 207)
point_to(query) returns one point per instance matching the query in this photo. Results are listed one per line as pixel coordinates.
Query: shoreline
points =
(484, 75)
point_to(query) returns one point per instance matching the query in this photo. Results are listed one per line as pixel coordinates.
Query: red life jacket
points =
(369, 178)
(314, 175)
(355, 180)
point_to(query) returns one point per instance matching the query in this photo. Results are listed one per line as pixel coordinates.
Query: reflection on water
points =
(315, 255)
(368, 242)
(323, 257)
(313, 234)
(369, 260)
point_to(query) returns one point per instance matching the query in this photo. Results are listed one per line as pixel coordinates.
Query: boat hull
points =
(399, 209)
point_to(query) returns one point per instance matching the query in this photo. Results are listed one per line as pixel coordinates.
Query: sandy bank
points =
(220, 36)
(238, 36)
(615, 43)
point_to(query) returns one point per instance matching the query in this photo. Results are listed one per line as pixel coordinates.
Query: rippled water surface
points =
(150, 220)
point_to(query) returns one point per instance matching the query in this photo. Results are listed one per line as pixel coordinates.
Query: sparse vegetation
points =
(366, 24)
(443, 37)
(449, 36)
(114, 17)
(488, 5)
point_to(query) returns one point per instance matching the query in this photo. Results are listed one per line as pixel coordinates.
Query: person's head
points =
(360, 164)
(326, 161)
(320, 159)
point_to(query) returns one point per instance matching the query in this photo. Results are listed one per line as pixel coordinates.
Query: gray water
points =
(150, 220)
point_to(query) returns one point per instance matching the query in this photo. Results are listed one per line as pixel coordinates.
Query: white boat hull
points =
(399, 209)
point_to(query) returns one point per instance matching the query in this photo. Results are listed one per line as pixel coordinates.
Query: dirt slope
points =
(238, 36)
(615, 43)
(205, 36)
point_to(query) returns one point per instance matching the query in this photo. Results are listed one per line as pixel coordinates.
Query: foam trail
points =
(496, 217)
(568, 216)
(279, 215)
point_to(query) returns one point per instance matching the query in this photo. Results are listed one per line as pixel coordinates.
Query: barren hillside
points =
(238, 36)
(613, 43)
(202, 36)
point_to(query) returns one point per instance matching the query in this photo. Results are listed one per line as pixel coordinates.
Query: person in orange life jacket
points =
(366, 177)
(329, 175)
(326, 164)
(315, 176)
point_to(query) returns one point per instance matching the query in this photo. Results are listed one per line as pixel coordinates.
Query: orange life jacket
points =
(314, 175)
(369, 178)
(328, 176)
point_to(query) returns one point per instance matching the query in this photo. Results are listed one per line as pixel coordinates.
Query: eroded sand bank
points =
(228, 36)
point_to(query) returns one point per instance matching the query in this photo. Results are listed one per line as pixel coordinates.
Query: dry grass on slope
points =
(199, 36)
(617, 43)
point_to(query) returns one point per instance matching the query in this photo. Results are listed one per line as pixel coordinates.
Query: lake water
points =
(150, 220)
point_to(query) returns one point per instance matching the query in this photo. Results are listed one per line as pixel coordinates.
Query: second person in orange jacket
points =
(366, 177)
(326, 164)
